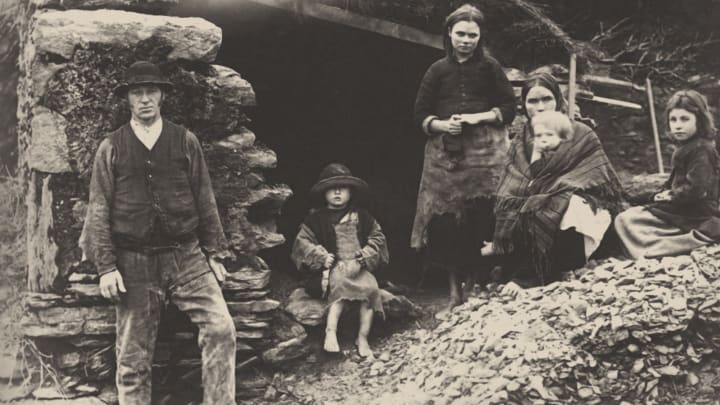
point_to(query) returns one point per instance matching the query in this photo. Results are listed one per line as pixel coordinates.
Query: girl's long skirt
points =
(644, 235)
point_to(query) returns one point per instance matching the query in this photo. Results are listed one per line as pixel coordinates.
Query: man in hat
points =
(151, 221)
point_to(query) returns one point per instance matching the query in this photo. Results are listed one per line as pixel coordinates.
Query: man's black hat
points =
(140, 73)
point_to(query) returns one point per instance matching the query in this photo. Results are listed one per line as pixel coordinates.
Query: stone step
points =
(247, 278)
(266, 305)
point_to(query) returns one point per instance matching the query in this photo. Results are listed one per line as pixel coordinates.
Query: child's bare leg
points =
(470, 281)
(331, 343)
(366, 318)
(455, 291)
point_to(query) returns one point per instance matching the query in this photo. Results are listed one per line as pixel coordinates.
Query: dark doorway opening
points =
(328, 93)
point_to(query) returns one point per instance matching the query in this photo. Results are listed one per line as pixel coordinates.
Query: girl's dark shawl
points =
(529, 208)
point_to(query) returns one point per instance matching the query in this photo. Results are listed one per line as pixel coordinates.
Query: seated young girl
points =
(684, 215)
(338, 247)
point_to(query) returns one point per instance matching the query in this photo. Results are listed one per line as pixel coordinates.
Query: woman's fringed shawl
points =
(529, 208)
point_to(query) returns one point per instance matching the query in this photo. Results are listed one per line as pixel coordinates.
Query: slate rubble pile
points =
(611, 334)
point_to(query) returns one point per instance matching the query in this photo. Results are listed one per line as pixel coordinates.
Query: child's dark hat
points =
(142, 73)
(337, 175)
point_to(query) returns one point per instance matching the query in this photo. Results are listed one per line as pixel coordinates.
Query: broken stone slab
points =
(48, 150)
(247, 278)
(17, 393)
(73, 401)
(265, 239)
(60, 32)
(252, 335)
(90, 342)
(49, 300)
(48, 393)
(42, 268)
(67, 360)
(244, 295)
(130, 5)
(248, 322)
(286, 351)
(232, 88)
(311, 312)
(69, 321)
(242, 139)
(266, 305)
(261, 158)
(85, 290)
(305, 309)
(268, 194)
(286, 328)
(399, 306)
(9, 365)
(247, 237)
(41, 300)
(289, 340)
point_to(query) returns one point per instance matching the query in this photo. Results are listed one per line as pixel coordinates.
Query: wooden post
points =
(656, 135)
(572, 87)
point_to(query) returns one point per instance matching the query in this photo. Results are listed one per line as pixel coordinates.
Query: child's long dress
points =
(690, 220)
(346, 280)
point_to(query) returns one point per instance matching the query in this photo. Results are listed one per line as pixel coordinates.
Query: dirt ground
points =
(324, 378)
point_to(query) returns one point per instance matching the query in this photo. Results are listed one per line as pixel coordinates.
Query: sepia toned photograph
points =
(381, 202)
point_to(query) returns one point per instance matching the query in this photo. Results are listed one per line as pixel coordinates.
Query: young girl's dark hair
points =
(696, 103)
(466, 12)
(549, 82)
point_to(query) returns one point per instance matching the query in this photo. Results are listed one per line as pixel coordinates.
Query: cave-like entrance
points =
(328, 93)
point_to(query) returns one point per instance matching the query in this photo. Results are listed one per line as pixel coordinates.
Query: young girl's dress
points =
(359, 245)
(454, 213)
(690, 220)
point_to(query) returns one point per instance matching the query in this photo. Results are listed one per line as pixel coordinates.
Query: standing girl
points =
(463, 105)
(684, 215)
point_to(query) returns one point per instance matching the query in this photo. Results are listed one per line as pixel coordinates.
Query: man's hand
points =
(111, 285)
(663, 196)
(218, 269)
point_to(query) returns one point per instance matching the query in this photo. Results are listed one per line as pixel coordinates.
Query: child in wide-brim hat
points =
(338, 247)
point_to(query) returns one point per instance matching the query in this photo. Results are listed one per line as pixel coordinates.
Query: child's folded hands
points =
(348, 268)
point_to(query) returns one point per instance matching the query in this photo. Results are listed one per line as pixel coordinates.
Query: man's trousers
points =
(182, 276)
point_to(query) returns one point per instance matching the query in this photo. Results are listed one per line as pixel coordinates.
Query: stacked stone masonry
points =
(73, 55)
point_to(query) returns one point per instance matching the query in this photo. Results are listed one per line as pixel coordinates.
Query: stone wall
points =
(73, 54)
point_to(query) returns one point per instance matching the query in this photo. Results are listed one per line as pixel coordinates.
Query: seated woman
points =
(552, 209)
(685, 214)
